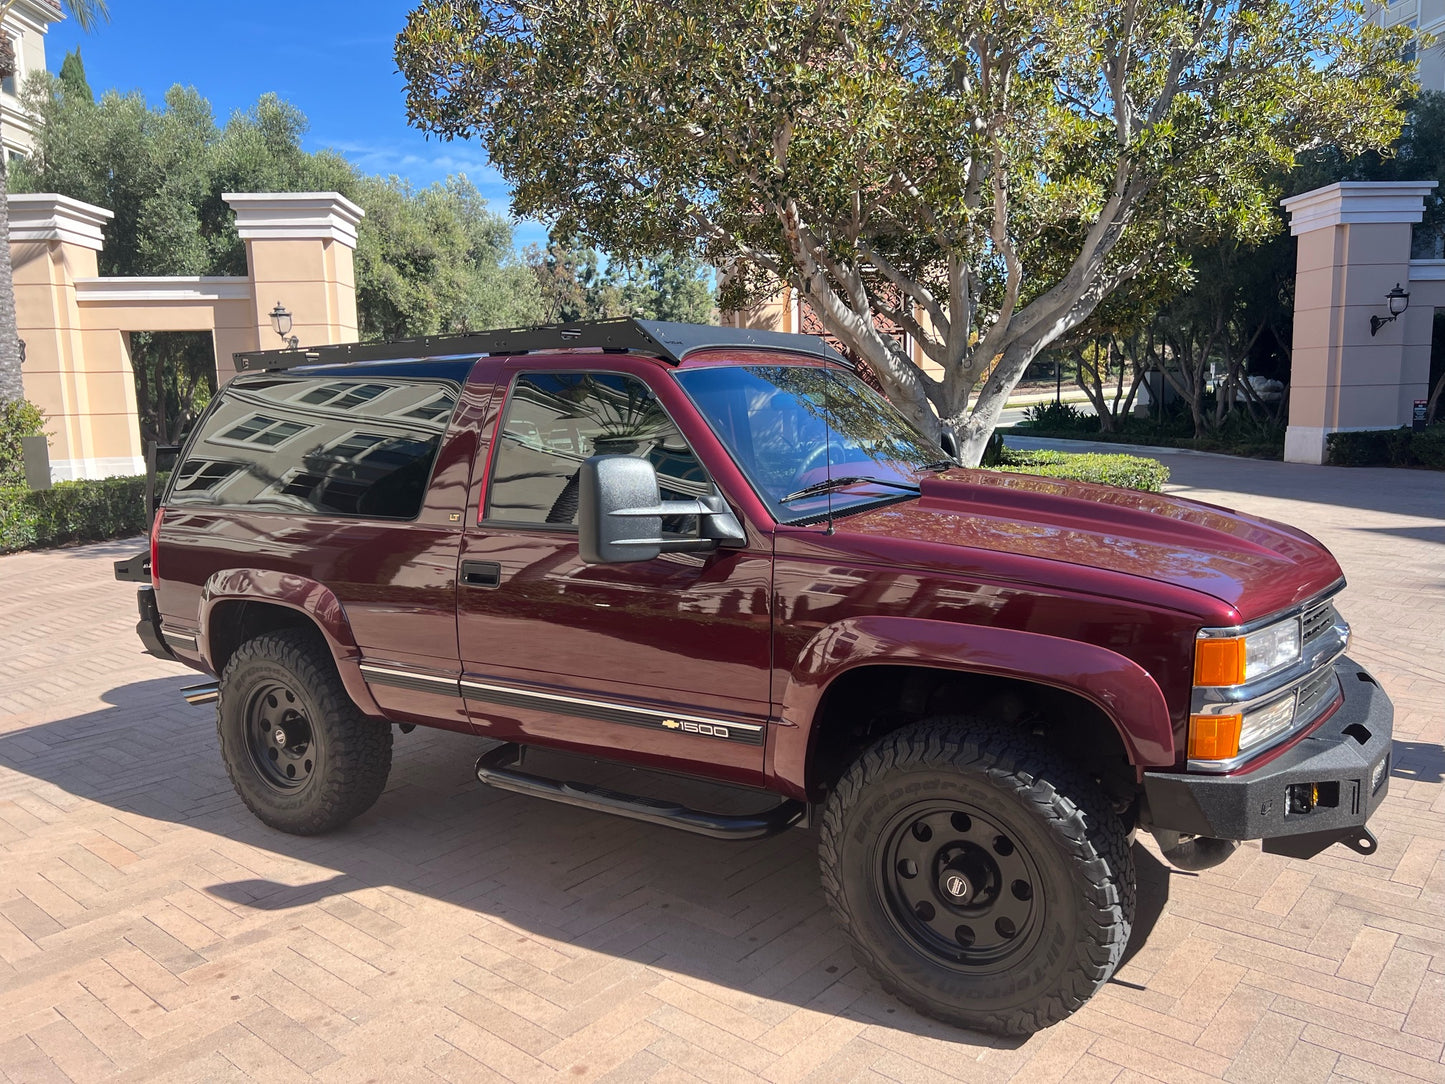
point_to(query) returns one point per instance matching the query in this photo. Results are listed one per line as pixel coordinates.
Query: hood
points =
(1254, 565)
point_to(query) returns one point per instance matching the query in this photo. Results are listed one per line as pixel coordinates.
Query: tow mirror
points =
(948, 441)
(620, 511)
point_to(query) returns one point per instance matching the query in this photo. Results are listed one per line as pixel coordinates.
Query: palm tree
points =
(87, 13)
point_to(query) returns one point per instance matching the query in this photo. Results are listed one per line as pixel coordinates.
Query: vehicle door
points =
(662, 662)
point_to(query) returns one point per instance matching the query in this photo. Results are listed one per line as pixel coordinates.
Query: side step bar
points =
(498, 768)
(208, 693)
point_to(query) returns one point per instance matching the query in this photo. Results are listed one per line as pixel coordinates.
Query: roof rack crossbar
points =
(654, 338)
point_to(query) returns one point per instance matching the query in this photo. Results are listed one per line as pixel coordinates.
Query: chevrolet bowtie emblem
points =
(671, 724)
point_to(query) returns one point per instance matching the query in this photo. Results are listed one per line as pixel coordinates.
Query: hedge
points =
(1130, 471)
(1388, 448)
(85, 511)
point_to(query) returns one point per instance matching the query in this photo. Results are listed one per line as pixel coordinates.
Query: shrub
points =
(85, 511)
(1059, 416)
(1130, 471)
(17, 419)
(1388, 448)
(1428, 447)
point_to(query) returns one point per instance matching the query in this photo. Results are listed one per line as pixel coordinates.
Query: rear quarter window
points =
(341, 446)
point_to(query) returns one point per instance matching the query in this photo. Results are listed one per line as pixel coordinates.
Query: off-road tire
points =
(342, 756)
(1079, 879)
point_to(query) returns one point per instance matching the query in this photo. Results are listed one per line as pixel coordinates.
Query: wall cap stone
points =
(45, 216)
(1350, 202)
(172, 288)
(295, 216)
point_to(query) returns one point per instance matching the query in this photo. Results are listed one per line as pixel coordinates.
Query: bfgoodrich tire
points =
(979, 878)
(300, 754)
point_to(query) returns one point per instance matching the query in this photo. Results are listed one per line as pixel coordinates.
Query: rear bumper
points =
(1347, 760)
(148, 628)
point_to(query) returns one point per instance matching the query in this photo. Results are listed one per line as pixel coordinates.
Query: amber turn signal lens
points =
(1219, 662)
(1214, 737)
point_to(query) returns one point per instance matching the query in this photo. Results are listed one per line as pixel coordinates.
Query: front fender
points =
(300, 593)
(1118, 686)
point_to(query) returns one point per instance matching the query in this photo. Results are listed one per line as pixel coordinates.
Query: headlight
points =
(1239, 660)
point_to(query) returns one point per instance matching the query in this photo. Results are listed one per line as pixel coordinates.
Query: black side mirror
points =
(948, 441)
(619, 514)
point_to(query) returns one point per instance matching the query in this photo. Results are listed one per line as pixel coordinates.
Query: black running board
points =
(498, 768)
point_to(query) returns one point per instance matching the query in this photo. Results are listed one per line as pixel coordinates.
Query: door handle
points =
(481, 573)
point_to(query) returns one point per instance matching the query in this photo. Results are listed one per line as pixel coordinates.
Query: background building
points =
(1424, 17)
(25, 25)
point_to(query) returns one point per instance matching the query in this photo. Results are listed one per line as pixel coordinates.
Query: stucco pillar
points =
(1354, 246)
(299, 250)
(81, 379)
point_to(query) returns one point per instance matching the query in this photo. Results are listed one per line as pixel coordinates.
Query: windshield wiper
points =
(828, 484)
(942, 464)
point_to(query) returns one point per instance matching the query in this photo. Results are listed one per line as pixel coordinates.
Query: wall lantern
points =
(1399, 301)
(281, 324)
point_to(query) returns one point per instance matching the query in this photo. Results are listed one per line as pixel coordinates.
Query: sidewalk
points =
(152, 930)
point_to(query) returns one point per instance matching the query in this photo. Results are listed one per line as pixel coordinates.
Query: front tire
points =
(299, 752)
(978, 877)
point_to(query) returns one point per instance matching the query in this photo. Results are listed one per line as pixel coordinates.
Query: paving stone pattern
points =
(152, 930)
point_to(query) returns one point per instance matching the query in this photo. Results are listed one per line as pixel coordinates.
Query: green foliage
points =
(86, 511)
(1059, 416)
(1388, 448)
(18, 419)
(575, 285)
(1001, 168)
(1129, 471)
(72, 77)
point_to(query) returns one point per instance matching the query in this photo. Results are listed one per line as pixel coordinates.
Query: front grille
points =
(1319, 620)
(1315, 695)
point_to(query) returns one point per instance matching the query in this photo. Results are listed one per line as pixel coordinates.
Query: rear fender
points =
(307, 596)
(1122, 689)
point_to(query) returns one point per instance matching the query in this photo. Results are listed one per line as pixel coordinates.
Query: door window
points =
(554, 421)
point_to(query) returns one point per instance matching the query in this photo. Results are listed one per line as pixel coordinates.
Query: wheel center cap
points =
(955, 886)
(279, 737)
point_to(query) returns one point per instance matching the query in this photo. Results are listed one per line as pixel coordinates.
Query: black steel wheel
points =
(959, 885)
(299, 752)
(978, 877)
(285, 751)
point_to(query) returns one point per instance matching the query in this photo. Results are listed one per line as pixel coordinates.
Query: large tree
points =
(87, 13)
(980, 175)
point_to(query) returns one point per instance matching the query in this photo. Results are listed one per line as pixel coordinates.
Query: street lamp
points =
(1398, 300)
(281, 324)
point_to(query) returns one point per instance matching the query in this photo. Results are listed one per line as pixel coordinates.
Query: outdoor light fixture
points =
(1399, 301)
(281, 323)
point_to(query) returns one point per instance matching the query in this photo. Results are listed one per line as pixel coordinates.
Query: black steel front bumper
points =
(1347, 761)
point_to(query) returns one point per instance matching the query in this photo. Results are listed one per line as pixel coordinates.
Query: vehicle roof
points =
(668, 342)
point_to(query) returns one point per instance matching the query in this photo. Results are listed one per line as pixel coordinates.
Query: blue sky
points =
(330, 58)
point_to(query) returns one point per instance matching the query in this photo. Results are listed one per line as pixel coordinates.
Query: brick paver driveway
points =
(151, 929)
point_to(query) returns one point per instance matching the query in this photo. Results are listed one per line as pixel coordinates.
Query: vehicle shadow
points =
(750, 916)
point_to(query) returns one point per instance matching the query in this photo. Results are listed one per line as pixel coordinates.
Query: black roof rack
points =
(670, 342)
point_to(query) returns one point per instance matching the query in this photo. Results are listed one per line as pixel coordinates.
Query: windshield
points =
(805, 433)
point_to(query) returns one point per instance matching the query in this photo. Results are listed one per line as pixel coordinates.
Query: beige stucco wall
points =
(76, 324)
(1353, 248)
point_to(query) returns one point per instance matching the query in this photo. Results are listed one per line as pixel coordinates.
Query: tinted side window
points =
(556, 420)
(327, 445)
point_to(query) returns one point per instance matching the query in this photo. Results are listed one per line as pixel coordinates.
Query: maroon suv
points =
(719, 556)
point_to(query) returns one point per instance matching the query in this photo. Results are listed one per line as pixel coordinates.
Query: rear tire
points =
(299, 752)
(978, 877)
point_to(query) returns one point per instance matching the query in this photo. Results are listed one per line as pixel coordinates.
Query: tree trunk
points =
(12, 385)
(976, 426)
